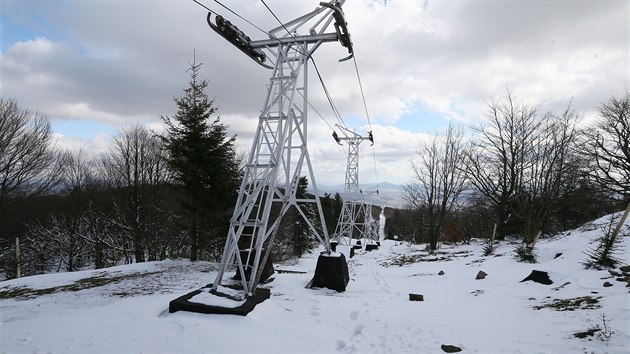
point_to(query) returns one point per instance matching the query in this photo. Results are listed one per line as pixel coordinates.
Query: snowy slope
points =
(124, 309)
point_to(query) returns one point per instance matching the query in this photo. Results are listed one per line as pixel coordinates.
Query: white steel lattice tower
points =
(353, 219)
(279, 150)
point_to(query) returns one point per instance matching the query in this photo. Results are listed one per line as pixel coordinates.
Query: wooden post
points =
(623, 219)
(494, 232)
(18, 270)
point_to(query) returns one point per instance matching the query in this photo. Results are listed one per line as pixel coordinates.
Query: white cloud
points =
(95, 146)
(117, 62)
(37, 46)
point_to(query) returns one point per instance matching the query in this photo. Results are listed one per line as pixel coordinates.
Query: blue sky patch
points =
(83, 129)
(14, 30)
(422, 121)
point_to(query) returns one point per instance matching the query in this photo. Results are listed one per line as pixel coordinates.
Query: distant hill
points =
(389, 194)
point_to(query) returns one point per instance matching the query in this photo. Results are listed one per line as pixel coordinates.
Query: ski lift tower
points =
(279, 150)
(353, 205)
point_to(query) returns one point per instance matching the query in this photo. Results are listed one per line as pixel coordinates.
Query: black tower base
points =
(331, 272)
(371, 246)
(182, 303)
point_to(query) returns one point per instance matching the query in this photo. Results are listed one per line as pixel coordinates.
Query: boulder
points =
(447, 348)
(371, 247)
(416, 297)
(538, 277)
(481, 275)
(441, 272)
(607, 285)
(625, 269)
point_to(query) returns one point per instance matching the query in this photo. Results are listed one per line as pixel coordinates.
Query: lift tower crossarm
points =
(265, 43)
(351, 136)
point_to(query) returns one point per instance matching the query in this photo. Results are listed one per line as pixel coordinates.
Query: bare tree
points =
(27, 159)
(28, 166)
(71, 240)
(499, 155)
(438, 180)
(79, 171)
(136, 168)
(523, 162)
(607, 147)
(57, 240)
(547, 169)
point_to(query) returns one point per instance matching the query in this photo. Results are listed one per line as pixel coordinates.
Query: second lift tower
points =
(355, 212)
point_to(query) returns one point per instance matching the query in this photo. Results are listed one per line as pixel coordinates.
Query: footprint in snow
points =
(354, 315)
(340, 345)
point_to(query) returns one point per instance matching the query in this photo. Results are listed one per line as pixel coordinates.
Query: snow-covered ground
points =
(125, 309)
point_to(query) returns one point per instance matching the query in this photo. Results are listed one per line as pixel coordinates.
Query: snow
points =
(234, 300)
(126, 311)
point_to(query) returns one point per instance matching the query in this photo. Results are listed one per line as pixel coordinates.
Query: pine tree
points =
(202, 158)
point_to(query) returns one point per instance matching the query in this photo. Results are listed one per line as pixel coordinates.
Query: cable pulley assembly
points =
(341, 27)
(235, 36)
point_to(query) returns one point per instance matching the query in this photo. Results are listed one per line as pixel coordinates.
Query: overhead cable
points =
(328, 96)
(367, 114)
(241, 17)
(356, 69)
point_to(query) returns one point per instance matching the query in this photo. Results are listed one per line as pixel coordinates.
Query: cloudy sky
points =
(95, 66)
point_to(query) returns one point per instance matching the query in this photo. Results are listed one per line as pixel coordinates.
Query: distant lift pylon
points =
(279, 150)
(356, 214)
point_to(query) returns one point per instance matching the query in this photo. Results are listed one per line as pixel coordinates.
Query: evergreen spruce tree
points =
(202, 158)
(332, 208)
(302, 239)
(294, 237)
